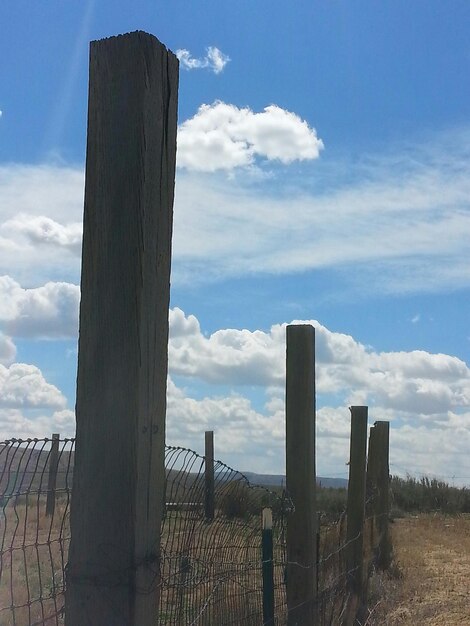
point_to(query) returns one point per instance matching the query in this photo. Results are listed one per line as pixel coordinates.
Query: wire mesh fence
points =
(211, 563)
(211, 569)
(33, 544)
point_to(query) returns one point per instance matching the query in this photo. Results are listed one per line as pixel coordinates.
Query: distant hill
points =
(26, 469)
(276, 480)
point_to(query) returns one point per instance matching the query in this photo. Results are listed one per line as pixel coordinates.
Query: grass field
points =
(429, 583)
(212, 571)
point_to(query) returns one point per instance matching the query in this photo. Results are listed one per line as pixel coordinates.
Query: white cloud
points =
(41, 209)
(16, 423)
(228, 356)
(215, 60)
(394, 225)
(416, 318)
(23, 385)
(390, 229)
(44, 230)
(416, 383)
(222, 137)
(249, 440)
(425, 396)
(49, 311)
(7, 349)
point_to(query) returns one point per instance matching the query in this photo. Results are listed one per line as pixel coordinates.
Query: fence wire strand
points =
(210, 568)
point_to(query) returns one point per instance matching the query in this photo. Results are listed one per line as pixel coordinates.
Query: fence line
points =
(211, 571)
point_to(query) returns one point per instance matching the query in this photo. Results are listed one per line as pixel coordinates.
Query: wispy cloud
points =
(392, 224)
(215, 60)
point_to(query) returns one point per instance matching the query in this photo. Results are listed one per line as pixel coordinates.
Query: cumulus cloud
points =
(232, 356)
(215, 60)
(417, 382)
(49, 311)
(23, 385)
(20, 424)
(425, 396)
(222, 137)
(41, 209)
(7, 349)
(252, 440)
(44, 230)
(245, 438)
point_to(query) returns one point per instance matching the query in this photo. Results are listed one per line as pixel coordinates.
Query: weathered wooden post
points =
(52, 479)
(356, 505)
(113, 574)
(384, 549)
(267, 567)
(301, 574)
(209, 486)
(371, 483)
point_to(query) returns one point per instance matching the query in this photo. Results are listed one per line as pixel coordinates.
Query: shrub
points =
(237, 499)
(428, 494)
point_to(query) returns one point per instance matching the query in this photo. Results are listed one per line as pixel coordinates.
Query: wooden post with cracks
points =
(384, 548)
(52, 478)
(209, 485)
(301, 583)
(113, 574)
(356, 509)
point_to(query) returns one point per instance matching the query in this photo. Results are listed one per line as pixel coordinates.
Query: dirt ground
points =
(429, 583)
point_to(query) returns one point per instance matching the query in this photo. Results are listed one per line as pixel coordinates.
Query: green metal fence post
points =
(268, 568)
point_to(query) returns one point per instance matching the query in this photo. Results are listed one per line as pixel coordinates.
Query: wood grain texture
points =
(209, 479)
(384, 552)
(300, 474)
(52, 478)
(112, 575)
(356, 499)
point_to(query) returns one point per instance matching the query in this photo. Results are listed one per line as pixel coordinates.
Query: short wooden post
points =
(356, 501)
(113, 573)
(268, 568)
(384, 551)
(52, 480)
(301, 572)
(209, 496)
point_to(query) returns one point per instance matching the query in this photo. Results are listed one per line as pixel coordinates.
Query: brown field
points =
(429, 583)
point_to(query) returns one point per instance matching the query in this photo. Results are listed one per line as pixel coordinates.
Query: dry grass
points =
(212, 571)
(31, 571)
(429, 583)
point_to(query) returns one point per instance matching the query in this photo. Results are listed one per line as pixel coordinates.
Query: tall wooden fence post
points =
(113, 573)
(209, 496)
(52, 480)
(384, 550)
(371, 484)
(301, 572)
(268, 568)
(356, 505)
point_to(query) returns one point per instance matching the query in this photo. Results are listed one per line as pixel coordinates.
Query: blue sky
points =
(323, 176)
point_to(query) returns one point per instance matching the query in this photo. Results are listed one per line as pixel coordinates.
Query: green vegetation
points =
(331, 503)
(425, 495)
